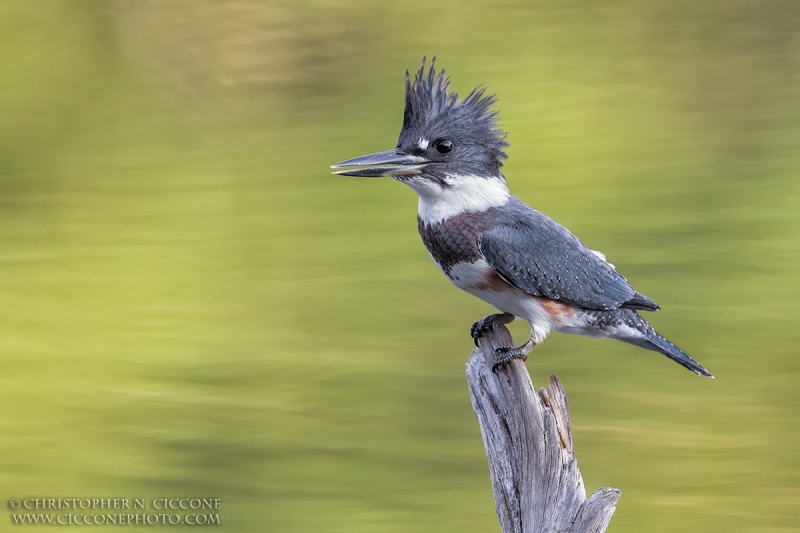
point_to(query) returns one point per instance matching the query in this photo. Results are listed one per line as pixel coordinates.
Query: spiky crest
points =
(429, 106)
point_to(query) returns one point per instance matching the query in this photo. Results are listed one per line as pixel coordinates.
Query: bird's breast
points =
(455, 240)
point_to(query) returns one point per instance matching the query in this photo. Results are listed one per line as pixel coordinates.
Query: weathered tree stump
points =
(528, 439)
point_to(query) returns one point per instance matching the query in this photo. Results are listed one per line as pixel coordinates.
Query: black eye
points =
(444, 145)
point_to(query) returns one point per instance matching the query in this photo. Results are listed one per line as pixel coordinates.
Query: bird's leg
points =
(507, 353)
(485, 324)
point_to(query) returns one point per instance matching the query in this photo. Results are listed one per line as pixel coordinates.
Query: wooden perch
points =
(528, 439)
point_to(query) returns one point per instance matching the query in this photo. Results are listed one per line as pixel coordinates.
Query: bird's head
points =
(443, 138)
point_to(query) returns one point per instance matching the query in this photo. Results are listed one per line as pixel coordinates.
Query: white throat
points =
(465, 194)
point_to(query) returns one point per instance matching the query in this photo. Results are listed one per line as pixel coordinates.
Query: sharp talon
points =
(476, 331)
(503, 354)
(506, 354)
(485, 324)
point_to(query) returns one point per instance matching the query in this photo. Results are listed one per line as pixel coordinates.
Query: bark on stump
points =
(528, 439)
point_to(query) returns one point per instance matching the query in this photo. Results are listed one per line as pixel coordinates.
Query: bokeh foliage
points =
(192, 305)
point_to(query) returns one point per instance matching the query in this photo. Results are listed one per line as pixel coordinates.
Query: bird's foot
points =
(506, 353)
(486, 323)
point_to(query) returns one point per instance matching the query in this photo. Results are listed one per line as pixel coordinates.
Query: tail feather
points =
(626, 325)
(655, 342)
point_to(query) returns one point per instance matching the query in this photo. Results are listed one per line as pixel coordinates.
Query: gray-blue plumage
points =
(538, 255)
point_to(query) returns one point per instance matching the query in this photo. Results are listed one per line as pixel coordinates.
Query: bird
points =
(490, 243)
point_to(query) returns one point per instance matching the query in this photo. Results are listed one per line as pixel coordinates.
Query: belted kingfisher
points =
(491, 244)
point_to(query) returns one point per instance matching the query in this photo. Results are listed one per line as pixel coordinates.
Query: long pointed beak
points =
(389, 163)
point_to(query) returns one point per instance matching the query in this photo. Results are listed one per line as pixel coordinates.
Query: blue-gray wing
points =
(538, 255)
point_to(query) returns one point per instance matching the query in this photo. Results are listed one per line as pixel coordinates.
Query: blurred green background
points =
(193, 306)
